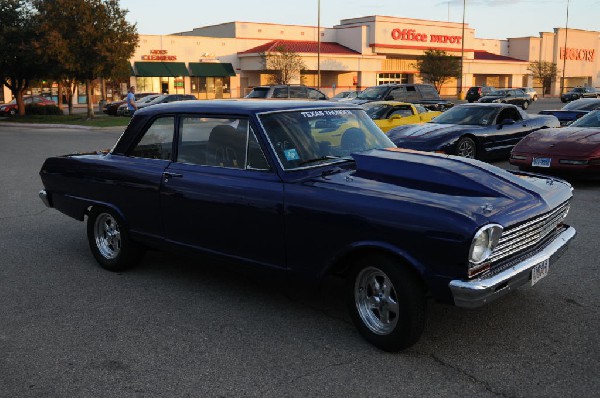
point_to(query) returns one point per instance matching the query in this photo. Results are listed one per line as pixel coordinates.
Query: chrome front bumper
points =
(477, 292)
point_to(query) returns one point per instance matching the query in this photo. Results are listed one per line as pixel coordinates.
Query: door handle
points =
(168, 175)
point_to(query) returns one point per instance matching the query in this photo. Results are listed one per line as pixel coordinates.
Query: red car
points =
(574, 149)
(12, 109)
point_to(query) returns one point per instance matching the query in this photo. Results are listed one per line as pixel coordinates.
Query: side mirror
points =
(507, 122)
(395, 117)
(389, 98)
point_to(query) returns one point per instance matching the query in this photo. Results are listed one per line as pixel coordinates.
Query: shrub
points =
(42, 110)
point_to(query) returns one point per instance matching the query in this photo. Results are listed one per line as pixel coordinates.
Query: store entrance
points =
(164, 86)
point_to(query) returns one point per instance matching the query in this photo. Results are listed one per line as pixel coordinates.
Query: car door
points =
(507, 131)
(135, 176)
(221, 195)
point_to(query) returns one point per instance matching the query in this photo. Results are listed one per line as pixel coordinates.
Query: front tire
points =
(387, 302)
(467, 148)
(109, 241)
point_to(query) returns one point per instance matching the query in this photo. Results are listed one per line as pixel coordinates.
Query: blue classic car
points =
(477, 131)
(254, 182)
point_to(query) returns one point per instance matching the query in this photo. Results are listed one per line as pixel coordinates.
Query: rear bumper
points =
(477, 292)
(45, 198)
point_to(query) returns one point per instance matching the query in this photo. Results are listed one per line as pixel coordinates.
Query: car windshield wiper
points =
(322, 158)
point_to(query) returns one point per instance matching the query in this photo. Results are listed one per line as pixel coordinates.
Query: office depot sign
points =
(412, 35)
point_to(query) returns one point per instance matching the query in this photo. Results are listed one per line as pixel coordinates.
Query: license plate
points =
(541, 162)
(539, 271)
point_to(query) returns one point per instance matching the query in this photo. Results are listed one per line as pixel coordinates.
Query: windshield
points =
(468, 115)
(592, 119)
(258, 92)
(376, 110)
(321, 136)
(372, 93)
(582, 105)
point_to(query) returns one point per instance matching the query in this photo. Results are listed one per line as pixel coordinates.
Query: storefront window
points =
(211, 87)
(392, 78)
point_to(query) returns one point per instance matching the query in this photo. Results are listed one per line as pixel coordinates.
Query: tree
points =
(437, 67)
(544, 71)
(283, 64)
(19, 59)
(87, 39)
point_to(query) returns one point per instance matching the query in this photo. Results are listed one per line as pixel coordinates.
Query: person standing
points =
(131, 106)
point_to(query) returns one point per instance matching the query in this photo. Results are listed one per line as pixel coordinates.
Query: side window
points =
(315, 94)
(412, 94)
(429, 92)
(157, 142)
(280, 92)
(398, 93)
(402, 110)
(421, 108)
(297, 92)
(219, 142)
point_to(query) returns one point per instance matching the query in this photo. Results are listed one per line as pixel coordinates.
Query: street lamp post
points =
(319, 44)
(562, 80)
(462, 51)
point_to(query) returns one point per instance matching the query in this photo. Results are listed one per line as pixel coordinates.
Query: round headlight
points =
(484, 242)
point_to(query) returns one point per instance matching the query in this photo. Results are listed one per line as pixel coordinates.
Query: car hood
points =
(428, 131)
(473, 189)
(566, 141)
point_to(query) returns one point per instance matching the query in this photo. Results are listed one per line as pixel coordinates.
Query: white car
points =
(531, 92)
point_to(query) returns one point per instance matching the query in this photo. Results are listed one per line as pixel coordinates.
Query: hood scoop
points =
(425, 171)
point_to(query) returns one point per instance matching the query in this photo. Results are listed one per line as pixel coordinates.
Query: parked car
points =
(531, 92)
(390, 114)
(123, 110)
(12, 108)
(476, 92)
(245, 181)
(580, 92)
(574, 149)
(111, 108)
(345, 95)
(281, 91)
(508, 96)
(478, 130)
(159, 99)
(574, 110)
(424, 94)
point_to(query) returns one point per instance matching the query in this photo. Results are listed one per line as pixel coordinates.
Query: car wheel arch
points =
(343, 262)
(108, 206)
(478, 148)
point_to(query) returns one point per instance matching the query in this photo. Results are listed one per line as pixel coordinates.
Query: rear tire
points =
(109, 241)
(387, 302)
(525, 105)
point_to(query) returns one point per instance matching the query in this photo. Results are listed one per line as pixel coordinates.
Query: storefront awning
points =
(212, 69)
(160, 69)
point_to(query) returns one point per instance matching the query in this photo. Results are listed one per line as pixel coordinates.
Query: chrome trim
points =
(528, 234)
(45, 197)
(480, 291)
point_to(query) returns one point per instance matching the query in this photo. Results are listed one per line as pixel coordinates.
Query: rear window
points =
(258, 92)
(429, 92)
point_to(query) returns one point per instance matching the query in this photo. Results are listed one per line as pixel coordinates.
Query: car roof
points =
(387, 103)
(241, 106)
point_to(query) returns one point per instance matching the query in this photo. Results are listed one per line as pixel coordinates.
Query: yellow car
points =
(390, 114)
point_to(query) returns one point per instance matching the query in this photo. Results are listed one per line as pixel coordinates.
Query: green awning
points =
(160, 69)
(212, 69)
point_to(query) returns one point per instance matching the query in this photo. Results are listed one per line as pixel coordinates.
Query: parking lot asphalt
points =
(176, 326)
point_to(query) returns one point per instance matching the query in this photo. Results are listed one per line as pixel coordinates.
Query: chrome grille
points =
(528, 234)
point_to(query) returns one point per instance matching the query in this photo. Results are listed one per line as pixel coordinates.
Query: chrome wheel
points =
(466, 148)
(376, 301)
(107, 235)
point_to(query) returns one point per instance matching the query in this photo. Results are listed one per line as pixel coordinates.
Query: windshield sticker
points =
(333, 112)
(291, 154)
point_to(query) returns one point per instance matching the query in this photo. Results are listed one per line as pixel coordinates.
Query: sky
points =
(491, 19)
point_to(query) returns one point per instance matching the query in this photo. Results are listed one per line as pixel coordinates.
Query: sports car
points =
(244, 181)
(574, 149)
(390, 114)
(573, 110)
(479, 131)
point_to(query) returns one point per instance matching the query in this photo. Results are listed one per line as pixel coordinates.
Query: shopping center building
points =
(225, 60)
